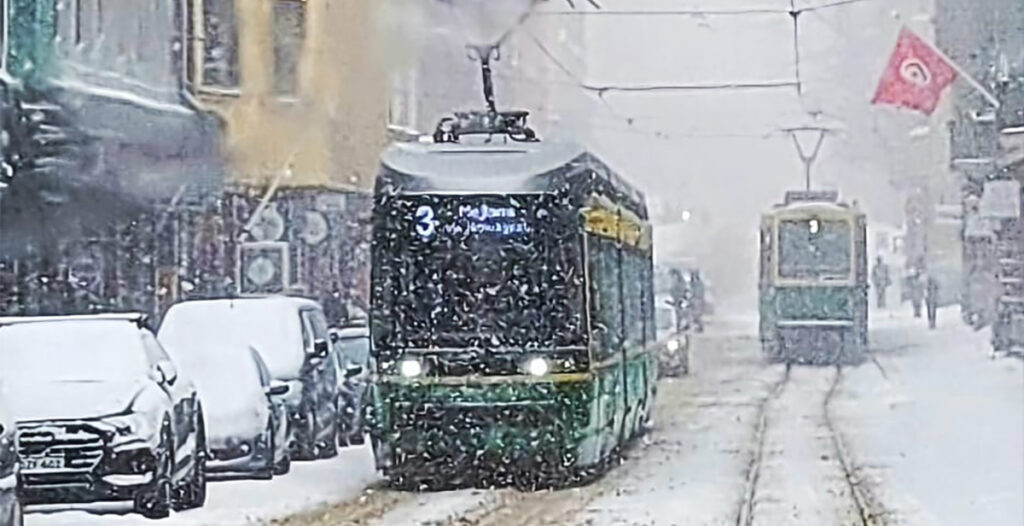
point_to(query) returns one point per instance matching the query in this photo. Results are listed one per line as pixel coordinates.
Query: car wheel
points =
(357, 436)
(267, 471)
(305, 437)
(17, 516)
(283, 466)
(329, 447)
(344, 423)
(193, 493)
(155, 503)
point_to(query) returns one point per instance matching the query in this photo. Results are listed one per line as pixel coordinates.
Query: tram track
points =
(760, 502)
(745, 514)
(868, 512)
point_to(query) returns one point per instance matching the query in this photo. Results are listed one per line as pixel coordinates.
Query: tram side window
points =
(632, 279)
(650, 328)
(604, 290)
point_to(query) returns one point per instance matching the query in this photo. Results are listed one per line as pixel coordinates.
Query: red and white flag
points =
(916, 77)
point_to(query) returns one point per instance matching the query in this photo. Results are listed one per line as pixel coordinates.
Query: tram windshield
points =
(814, 249)
(478, 271)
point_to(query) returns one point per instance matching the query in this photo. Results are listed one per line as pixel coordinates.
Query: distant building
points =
(984, 37)
(101, 137)
(303, 92)
(145, 136)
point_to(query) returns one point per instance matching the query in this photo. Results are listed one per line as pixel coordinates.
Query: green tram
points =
(512, 314)
(814, 281)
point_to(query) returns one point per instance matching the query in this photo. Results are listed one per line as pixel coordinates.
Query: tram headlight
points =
(410, 367)
(537, 366)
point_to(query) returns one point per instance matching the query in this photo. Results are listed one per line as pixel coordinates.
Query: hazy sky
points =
(717, 153)
(720, 152)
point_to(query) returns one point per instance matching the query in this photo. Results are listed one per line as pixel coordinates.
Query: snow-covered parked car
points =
(673, 345)
(10, 507)
(292, 337)
(246, 425)
(351, 358)
(103, 414)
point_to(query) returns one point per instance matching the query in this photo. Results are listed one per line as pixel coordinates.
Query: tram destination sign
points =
(466, 217)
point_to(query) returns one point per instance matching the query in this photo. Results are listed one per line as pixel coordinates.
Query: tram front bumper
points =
(502, 422)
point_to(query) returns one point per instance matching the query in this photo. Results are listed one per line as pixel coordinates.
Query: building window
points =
(402, 102)
(220, 44)
(189, 14)
(289, 35)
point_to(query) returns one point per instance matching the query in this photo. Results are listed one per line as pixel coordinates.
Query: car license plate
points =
(42, 463)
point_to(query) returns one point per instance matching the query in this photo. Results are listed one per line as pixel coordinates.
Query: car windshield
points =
(355, 350)
(72, 351)
(815, 249)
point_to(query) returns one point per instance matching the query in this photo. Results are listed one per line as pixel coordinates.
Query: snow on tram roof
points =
(526, 167)
(811, 205)
(495, 161)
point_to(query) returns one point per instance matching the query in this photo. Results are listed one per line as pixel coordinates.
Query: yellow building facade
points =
(302, 92)
(301, 87)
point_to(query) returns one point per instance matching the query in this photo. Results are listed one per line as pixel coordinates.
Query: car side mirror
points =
(335, 337)
(353, 370)
(278, 389)
(321, 349)
(165, 374)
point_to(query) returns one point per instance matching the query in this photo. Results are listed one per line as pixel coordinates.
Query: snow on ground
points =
(693, 470)
(801, 479)
(937, 439)
(941, 435)
(246, 502)
(436, 508)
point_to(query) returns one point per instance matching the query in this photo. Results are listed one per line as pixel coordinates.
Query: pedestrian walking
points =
(678, 292)
(932, 301)
(916, 287)
(880, 280)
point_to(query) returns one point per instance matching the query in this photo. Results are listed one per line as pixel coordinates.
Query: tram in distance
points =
(512, 313)
(814, 281)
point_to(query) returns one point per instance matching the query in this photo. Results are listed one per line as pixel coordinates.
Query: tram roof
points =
(526, 167)
(815, 207)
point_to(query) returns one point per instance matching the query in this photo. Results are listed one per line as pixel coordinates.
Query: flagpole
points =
(967, 76)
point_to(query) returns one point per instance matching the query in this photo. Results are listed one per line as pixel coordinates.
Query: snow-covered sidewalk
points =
(246, 502)
(939, 435)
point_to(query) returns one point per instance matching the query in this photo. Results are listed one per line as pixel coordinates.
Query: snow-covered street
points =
(239, 502)
(928, 433)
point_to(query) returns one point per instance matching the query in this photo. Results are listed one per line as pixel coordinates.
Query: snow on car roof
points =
(270, 324)
(134, 317)
(353, 332)
(283, 301)
(83, 347)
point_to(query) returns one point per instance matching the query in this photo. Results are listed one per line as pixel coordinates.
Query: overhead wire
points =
(630, 121)
(705, 12)
(601, 90)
